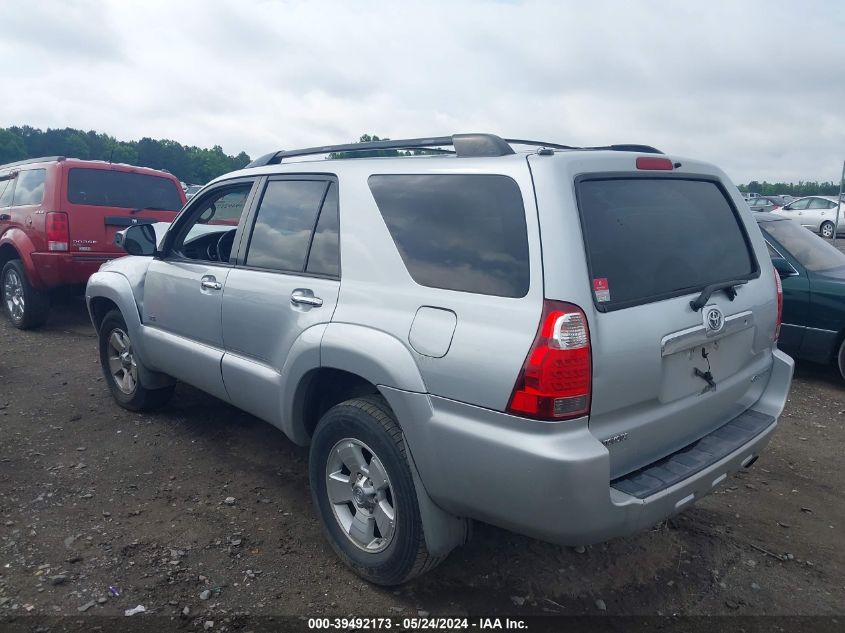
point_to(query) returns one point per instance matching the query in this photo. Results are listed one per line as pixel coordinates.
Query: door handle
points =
(210, 283)
(305, 298)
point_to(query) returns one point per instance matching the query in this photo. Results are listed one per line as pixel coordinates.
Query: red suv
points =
(58, 217)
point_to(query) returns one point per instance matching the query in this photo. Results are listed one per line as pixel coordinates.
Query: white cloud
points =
(756, 86)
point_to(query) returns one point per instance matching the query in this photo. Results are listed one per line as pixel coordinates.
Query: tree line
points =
(799, 189)
(193, 164)
(190, 164)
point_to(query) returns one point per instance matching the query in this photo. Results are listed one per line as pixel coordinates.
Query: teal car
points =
(812, 273)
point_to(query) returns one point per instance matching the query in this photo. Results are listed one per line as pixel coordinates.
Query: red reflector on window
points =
(650, 162)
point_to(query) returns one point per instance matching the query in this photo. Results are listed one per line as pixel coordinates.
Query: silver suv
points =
(570, 343)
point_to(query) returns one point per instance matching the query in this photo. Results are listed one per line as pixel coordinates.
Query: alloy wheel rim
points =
(13, 295)
(361, 495)
(122, 365)
(827, 230)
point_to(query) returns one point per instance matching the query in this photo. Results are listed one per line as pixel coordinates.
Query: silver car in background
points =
(817, 213)
(570, 343)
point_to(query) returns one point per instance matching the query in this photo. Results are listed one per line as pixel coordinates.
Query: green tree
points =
(190, 164)
(12, 147)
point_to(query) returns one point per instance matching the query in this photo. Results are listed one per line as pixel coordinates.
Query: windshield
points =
(811, 251)
(106, 188)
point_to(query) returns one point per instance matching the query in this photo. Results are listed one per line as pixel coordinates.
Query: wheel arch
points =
(15, 244)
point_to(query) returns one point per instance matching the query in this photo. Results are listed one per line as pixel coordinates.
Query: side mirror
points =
(783, 267)
(138, 239)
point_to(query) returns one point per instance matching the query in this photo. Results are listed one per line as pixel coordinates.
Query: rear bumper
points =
(552, 481)
(67, 269)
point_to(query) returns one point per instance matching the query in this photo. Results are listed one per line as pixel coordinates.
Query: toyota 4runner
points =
(570, 343)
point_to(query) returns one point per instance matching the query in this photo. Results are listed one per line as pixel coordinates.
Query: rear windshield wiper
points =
(728, 286)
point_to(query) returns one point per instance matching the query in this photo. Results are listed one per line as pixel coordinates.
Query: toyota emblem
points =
(714, 320)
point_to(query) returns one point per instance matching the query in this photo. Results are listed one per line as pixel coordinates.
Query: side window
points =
(29, 187)
(284, 224)
(462, 232)
(7, 188)
(831, 204)
(210, 233)
(817, 203)
(799, 205)
(324, 256)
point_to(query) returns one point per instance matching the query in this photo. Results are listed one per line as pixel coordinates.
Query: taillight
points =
(58, 234)
(779, 287)
(652, 163)
(556, 380)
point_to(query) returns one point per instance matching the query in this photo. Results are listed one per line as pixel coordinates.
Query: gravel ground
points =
(93, 497)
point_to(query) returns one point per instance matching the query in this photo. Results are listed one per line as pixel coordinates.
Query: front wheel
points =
(363, 492)
(26, 306)
(827, 229)
(120, 368)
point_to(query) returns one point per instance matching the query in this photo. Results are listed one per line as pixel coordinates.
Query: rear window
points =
(106, 188)
(650, 239)
(458, 232)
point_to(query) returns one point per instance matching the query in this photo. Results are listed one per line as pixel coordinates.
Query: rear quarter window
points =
(649, 239)
(458, 232)
(29, 187)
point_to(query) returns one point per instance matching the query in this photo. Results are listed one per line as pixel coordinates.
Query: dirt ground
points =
(93, 497)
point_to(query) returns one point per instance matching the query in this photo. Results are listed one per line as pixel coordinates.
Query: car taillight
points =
(58, 235)
(556, 380)
(779, 286)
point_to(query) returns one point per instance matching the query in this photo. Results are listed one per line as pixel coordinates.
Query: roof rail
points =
(466, 145)
(625, 147)
(27, 161)
(628, 147)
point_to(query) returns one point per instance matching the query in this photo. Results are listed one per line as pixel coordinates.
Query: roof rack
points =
(43, 159)
(466, 146)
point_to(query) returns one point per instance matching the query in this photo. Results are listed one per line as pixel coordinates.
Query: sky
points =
(755, 86)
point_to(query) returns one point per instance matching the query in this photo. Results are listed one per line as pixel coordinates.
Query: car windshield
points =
(811, 251)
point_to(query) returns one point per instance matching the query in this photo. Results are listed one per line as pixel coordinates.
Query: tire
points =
(826, 229)
(27, 307)
(840, 359)
(397, 552)
(120, 368)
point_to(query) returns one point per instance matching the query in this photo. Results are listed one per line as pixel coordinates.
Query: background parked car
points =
(817, 213)
(191, 191)
(58, 217)
(765, 203)
(812, 273)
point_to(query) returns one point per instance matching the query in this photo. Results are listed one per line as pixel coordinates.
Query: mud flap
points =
(443, 531)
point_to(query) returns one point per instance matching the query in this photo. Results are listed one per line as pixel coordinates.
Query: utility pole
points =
(839, 201)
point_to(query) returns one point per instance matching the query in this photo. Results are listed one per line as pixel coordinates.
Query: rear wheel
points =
(364, 494)
(840, 360)
(827, 229)
(120, 368)
(26, 306)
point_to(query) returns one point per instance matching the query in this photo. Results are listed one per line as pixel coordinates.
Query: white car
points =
(817, 213)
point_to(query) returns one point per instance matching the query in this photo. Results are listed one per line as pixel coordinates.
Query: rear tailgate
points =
(102, 201)
(664, 373)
